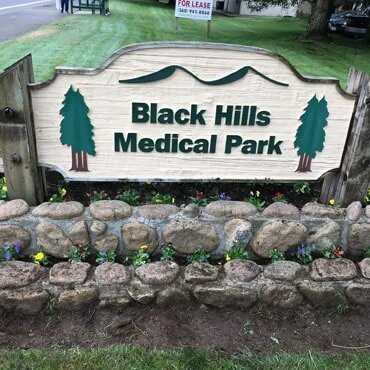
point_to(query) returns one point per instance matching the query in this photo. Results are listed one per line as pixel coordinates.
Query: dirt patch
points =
(40, 32)
(258, 330)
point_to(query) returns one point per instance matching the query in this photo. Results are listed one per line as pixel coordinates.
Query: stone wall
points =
(29, 288)
(112, 225)
(115, 226)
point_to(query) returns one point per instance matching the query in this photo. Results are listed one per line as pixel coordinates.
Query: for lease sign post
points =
(194, 9)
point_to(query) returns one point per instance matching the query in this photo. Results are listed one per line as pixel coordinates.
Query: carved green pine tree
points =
(76, 130)
(310, 136)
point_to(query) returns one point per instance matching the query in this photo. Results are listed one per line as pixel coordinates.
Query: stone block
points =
(158, 273)
(198, 273)
(65, 273)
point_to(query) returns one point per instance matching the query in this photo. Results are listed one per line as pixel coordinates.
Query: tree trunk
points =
(319, 18)
(84, 159)
(304, 164)
(81, 162)
(74, 162)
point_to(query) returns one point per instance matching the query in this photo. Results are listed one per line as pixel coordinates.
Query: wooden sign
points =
(190, 111)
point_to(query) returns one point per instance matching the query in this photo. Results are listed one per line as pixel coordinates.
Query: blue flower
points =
(17, 247)
(223, 195)
(301, 250)
(8, 256)
(6, 247)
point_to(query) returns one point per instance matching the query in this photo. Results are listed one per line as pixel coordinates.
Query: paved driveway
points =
(21, 16)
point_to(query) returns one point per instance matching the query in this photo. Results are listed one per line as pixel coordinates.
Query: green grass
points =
(130, 358)
(87, 40)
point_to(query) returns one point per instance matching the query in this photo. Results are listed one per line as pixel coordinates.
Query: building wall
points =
(272, 11)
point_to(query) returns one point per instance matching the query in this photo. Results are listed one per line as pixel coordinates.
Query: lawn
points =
(87, 40)
(129, 358)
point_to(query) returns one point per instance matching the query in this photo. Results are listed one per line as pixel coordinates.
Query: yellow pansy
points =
(39, 256)
(63, 192)
(258, 193)
(332, 201)
(227, 258)
(144, 247)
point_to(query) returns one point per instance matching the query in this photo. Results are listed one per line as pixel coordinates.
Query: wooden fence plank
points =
(352, 181)
(24, 178)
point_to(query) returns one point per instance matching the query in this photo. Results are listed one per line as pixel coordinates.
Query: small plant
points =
(280, 197)
(237, 251)
(129, 196)
(159, 198)
(3, 189)
(140, 257)
(58, 197)
(40, 258)
(103, 257)
(10, 252)
(304, 252)
(367, 197)
(343, 308)
(276, 255)
(95, 196)
(333, 251)
(199, 255)
(224, 196)
(333, 203)
(254, 198)
(200, 199)
(167, 252)
(79, 253)
(302, 188)
(367, 252)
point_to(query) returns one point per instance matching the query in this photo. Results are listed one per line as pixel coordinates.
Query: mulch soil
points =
(182, 192)
(228, 330)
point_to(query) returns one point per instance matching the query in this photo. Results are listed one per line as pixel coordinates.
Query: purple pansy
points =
(17, 247)
(7, 256)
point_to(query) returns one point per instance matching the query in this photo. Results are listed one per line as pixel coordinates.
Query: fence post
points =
(352, 181)
(17, 136)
